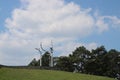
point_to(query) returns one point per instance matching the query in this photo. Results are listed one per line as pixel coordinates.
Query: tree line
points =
(98, 61)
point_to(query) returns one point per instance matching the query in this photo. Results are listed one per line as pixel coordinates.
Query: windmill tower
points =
(51, 55)
(38, 49)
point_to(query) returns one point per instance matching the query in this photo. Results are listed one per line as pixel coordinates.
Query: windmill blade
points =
(37, 48)
(42, 47)
(51, 48)
(51, 43)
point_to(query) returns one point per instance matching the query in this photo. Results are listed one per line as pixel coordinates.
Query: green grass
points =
(30, 74)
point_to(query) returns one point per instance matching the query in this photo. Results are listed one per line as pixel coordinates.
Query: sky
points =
(24, 24)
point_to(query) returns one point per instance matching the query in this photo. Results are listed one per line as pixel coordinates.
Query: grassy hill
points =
(30, 74)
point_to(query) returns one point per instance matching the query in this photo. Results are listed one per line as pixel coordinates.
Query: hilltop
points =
(31, 74)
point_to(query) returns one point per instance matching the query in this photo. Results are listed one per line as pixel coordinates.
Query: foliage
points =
(98, 62)
(45, 60)
(65, 64)
(33, 63)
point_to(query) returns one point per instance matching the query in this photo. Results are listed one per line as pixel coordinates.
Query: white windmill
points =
(38, 49)
(51, 53)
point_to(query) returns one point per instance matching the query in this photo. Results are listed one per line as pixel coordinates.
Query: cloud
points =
(103, 23)
(69, 47)
(51, 19)
(38, 21)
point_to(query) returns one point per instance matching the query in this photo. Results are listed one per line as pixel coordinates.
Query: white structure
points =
(51, 53)
(38, 49)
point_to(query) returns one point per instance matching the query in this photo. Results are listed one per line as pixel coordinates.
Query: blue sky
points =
(6, 8)
(69, 23)
(105, 7)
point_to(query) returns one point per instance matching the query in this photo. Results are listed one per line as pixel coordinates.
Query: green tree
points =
(99, 61)
(46, 59)
(65, 64)
(80, 57)
(96, 64)
(33, 62)
(111, 61)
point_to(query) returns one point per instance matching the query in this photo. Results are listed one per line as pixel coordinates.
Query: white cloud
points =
(101, 25)
(69, 47)
(45, 20)
(52, 19)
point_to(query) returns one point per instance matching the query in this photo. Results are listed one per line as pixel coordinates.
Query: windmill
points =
(51, 53)
(38, 49)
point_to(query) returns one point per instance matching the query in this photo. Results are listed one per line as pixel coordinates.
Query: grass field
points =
(30, 74)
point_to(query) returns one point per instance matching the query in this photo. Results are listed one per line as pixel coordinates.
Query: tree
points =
(46, 59)
(112, 60)
(95, 64)
(65, 64)
(80, 56)
(33, 63)
(97, 58)
(99, 52)
(99, 61)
